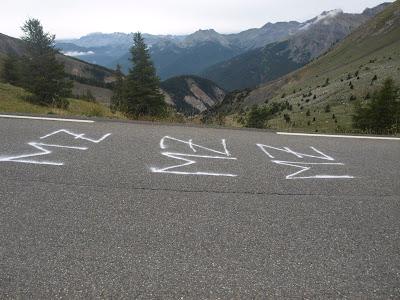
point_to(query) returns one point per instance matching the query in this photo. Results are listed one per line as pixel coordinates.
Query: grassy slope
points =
(12, 101)
(369, 51)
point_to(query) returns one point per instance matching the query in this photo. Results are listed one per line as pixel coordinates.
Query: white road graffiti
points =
(304, 166)
(44, 149)
(191, 158)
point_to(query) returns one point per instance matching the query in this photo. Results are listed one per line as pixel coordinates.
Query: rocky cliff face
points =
(192, 95)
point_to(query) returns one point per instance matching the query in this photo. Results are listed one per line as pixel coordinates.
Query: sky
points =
(75, 18)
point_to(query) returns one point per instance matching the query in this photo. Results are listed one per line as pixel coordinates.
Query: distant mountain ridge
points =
(205, 49)
(176, 55)
(309, 40)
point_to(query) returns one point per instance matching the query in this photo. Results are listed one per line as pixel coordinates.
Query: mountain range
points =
(310, 40)
(262, 54)
(320, 96)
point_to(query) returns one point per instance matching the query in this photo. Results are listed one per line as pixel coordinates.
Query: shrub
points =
(382, 113)
(327, 108)
(352, 98)
(287, 118)
(258, 117)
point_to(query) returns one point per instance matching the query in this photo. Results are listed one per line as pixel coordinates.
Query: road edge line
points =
(339, 136)
(45, 119)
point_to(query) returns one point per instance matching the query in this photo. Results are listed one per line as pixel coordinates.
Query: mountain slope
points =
(253, 67)
(352, 70)
(85, 75)
(73, 66)
(362, 51)
(191, 94)
(310, 40)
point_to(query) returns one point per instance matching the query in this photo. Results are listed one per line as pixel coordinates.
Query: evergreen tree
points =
(117, 100)
(327, 108)
(258, 116)
(10, 73)
(382, 113)
(43, 75)
(142, 87)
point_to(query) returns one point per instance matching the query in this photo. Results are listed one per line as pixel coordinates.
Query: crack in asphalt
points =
(192, 191)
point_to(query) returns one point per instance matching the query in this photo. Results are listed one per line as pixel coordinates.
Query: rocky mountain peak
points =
(370, 12)
(208, 35)
(324, 18)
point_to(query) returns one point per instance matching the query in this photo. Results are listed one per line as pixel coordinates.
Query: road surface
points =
(130, 210)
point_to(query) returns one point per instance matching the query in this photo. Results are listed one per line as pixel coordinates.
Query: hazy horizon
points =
(177, 17)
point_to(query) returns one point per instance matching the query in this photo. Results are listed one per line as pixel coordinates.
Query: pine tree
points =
(258, 116)
(142, 87)
(43, 75)
(117, 100)
(382, 113)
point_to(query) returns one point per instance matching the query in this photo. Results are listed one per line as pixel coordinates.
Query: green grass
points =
(324, 121)
(12, 100)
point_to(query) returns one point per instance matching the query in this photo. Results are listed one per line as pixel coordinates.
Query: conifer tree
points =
(382, 113)
(142, 87)
(43, 75)
(117, 100)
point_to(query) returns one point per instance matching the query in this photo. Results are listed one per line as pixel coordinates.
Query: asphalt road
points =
(124, 210)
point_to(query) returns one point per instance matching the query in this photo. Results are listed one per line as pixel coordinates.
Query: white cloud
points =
(77, 53)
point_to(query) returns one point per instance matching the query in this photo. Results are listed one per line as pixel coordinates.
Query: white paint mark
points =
(304, 168)
(188, 159)
(340, 136)
(43, 151)
(188, 162)
(297, 154)
(191, 145)
(194, 146)
(46, 119)
(77, 136)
